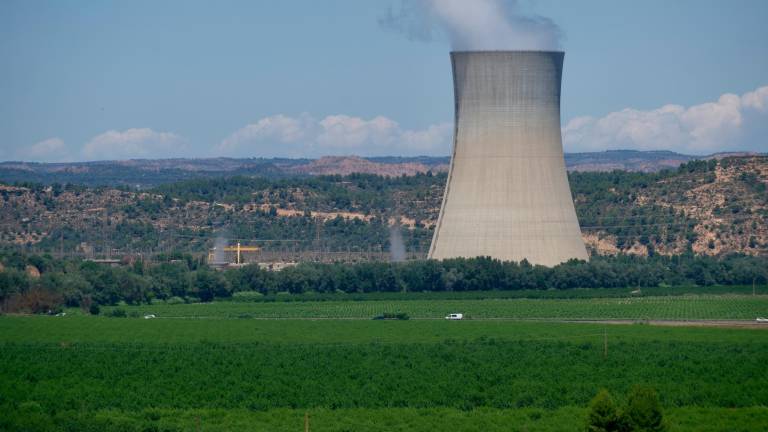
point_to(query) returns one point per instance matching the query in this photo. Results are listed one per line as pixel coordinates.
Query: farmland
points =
(97, 373)
(684, 307)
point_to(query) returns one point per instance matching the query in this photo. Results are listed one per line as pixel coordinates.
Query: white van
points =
(455, 316)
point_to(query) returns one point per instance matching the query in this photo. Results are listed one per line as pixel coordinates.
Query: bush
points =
(117, 313)
(175, 300)
(643, 412)
(392, 316)
(94, 309)
(603, 414)
(246, 296)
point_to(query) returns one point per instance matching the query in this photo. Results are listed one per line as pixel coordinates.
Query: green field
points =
(97, 373)
(687, 307)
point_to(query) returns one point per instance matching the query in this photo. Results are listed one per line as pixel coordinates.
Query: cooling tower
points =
(507, 194)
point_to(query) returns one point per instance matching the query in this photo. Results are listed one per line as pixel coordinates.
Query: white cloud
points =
(733, 122)
(277, 129)
(49, 150)
(304, 136)
(133, 143)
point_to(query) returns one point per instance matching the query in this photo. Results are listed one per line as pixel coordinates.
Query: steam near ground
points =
(396, 245)
(219, 254)
(474, 25)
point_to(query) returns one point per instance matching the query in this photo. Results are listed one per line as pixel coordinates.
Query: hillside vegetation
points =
(709, 207)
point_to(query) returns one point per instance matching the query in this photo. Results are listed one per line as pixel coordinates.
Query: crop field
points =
(688, 307)
(98, 373)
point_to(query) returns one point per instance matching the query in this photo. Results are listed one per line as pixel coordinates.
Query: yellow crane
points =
(238, 249)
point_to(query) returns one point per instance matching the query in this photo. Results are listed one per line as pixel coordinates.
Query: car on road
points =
(454, 316)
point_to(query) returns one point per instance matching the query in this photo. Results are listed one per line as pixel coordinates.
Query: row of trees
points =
(73, 282)
(642, 412)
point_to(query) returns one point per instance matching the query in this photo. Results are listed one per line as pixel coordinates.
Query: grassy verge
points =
(574, 293)
(690, 307)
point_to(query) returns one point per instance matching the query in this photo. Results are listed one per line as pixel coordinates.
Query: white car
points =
(455, 316)
(762, 320)
(150, 316)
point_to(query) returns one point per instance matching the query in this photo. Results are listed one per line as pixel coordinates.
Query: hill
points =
(709, 207)
(146, 173)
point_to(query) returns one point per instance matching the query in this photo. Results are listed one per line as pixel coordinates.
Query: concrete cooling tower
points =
(507, 195)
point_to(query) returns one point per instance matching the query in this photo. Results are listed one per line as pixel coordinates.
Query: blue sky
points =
(85, 80)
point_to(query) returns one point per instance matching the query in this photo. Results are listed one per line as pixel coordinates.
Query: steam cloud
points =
(474, 25)
(219, 254)
(396, 245)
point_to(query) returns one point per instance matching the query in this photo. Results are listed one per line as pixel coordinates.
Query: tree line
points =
(36, 283)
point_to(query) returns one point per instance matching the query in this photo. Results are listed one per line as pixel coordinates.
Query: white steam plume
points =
(396, 244)
(474, 24)
(219, 254)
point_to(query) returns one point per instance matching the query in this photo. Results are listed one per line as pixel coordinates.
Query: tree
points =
(209, 284)
(12, 281)
(643, 412)
(171, 279)
(603, 415)
(94, 309)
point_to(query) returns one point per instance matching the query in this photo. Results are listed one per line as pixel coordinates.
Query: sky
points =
(95, 80)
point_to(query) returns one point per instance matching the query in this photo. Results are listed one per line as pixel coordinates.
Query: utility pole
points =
(306, 422)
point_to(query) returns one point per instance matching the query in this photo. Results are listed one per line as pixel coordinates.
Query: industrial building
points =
(507, 194)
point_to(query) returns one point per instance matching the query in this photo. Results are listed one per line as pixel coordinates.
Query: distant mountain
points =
(625, 160)
(144, 173)
(390, 167)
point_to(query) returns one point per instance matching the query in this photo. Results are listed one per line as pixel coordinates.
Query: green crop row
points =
(458, 374)
(691, 307)
(30, 417)
(96, 373)
(75, 330)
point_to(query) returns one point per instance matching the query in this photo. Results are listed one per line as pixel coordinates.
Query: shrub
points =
(246, 296)
(117, 313)
(175, 300)
(603, 414)
(94, 309)
(392, 316)
(643, 412)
